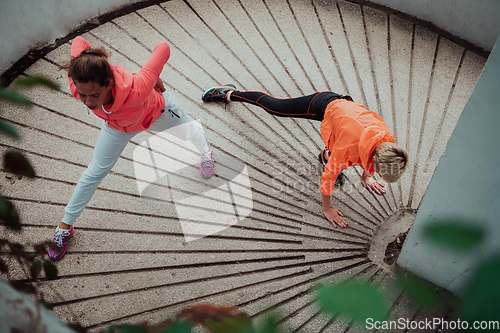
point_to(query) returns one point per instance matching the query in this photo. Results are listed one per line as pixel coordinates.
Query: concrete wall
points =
(476, 21)
(27, 24)
(465, 185)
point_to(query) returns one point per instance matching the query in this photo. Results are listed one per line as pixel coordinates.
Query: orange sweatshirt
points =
(351, 133)
(136, 103)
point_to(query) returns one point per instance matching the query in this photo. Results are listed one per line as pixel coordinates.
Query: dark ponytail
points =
(91, 66)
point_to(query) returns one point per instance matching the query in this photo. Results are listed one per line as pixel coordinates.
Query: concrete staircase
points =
(157, 238)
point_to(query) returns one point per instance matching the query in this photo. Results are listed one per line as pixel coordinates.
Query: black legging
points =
(308, 107)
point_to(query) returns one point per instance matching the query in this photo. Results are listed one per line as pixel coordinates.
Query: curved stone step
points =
(155, 239)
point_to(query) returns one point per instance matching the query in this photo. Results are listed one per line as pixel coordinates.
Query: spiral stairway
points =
(157, 238)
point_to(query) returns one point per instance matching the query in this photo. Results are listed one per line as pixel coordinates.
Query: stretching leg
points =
(110, 145)
(308, 107)
(179, 124)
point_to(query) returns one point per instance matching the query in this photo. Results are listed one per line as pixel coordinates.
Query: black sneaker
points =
(340, 179)
(217, 94)
(323, 159)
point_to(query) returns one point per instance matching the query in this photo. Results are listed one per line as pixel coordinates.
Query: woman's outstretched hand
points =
(159, 87)
(372, 185)
(331, 214)
(334, 216)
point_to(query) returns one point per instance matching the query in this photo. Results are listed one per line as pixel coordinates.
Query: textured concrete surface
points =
(157, 238)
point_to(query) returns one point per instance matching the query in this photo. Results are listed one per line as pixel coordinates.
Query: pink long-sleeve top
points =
(136, 103)
(351, 133)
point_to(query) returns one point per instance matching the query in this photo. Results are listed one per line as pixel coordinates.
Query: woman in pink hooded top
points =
(128, 103)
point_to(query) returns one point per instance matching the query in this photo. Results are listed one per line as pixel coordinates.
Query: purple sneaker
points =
(61, 238)
(207, 167)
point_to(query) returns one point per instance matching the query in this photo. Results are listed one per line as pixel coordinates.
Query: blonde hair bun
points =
(390, 161)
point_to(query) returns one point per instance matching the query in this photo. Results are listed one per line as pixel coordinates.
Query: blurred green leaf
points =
(481, 301)
(454, 234)
(14, 97)
(35, 269)
(77, 328)
(423, 293)
(229, 325)
(50, 269)
(9, 130)
(26, 287)
(9, 215)
(179, 326)
(127, 328)
(17, 249)
(36, 80)
(359, 301)
(16, 163)
(3, 204)
(48, 305)
(3, 266)
(39, 249)
(269, 325)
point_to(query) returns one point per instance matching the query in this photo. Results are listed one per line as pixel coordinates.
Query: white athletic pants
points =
(111, 143)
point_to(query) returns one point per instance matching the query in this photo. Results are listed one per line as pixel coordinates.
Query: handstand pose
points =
(129, 103)
(352, 136)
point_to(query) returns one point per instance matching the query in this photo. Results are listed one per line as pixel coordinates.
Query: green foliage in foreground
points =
(13, 161)
(354, 299)
(481, 300)
(455, 235)
(216, 319)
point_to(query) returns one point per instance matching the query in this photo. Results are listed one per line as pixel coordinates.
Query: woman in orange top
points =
(128, 103)
(352, 136)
